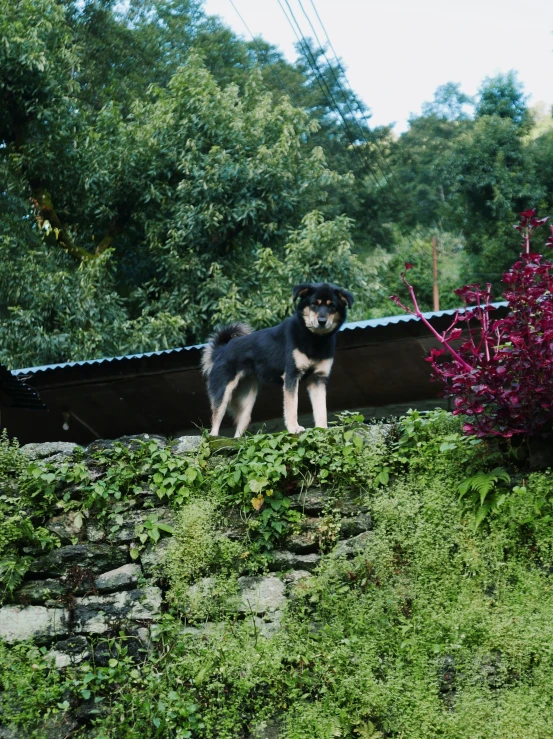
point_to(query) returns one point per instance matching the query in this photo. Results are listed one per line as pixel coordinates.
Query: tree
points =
(503, 97)
(131, 215)
(449, 103)
(492, 179)
(471, 176)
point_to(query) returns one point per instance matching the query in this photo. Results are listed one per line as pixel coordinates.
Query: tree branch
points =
(45, 211)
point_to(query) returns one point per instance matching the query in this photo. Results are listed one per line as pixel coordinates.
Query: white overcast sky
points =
(397, 52)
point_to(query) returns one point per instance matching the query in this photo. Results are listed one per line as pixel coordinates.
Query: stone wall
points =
(90, 588)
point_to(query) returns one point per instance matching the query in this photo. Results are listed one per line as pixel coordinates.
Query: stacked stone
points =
(90, 586)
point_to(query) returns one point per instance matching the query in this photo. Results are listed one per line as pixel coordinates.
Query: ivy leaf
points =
(256, 486)
(258, 502)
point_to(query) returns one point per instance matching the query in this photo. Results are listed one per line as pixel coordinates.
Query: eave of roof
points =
(20, 395)
(371, 323)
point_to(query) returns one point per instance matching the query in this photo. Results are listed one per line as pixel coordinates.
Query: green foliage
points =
(448, 104)
(31, 689)
(200, 549)
(503, 96)
(124, 472)
(219, 181)
(437, 627)
(470, 176)
(17, 529)
(11, 461)
(157, 180)
(267, 468)
(195, 545)
(484, 491)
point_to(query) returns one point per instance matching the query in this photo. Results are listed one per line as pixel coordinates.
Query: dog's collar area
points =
(322, 330)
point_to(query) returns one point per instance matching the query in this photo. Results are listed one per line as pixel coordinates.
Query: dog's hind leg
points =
(219, 406)
(241, 404)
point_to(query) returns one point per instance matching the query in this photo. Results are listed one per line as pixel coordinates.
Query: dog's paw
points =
(296, 429)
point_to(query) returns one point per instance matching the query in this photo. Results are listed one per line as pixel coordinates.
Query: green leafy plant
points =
(270, 467)
(364, 642)
(11, 460)
(484, 492)
(18, 529)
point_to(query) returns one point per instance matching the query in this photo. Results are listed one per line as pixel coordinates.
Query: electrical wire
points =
(360, 107)
(348, 93)
(262, 53)
(333, 104)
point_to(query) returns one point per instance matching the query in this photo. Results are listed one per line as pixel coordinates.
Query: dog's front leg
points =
(291, 383)
(316, 387)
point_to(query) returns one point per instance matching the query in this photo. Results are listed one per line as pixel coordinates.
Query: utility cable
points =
(348, 93)
(333, 105)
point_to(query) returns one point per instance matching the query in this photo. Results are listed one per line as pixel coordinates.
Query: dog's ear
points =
(345, 296)
(302, 290)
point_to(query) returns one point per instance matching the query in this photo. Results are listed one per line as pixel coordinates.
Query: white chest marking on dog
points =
(304, 363)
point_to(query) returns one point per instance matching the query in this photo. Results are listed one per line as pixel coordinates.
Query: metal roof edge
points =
(103, 360)
(406, 317)
(352, 326)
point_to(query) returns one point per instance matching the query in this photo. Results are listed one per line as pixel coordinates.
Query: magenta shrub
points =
(501, 375)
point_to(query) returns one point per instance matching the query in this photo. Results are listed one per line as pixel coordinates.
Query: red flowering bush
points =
(501, 376)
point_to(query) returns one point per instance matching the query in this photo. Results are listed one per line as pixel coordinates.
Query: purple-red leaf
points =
(502, 374)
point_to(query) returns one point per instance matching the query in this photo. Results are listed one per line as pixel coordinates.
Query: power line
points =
(332, 102)
(261, 52)
(330, 99)
(333, 105)
(351, 94)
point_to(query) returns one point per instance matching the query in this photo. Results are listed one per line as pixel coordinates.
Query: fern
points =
(484, 492)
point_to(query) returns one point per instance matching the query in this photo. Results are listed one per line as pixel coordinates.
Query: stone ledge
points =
(123, 578)
(72, 651)
(57, 449)
(284, 560)
(261, 594)
(97, 614)
(186, 444)
(351, 547)
(96, 558)
(18, 623)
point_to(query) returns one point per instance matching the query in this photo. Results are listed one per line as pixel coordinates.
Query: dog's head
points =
(322, 306)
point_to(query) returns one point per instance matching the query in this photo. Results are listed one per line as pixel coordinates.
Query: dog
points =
(236, 358)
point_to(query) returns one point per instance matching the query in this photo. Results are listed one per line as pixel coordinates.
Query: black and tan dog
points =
(236, 358)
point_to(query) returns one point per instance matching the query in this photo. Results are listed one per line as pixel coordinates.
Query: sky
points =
(397, 52)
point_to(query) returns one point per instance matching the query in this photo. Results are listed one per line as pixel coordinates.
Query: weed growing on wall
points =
(200, 550)
(17, 529)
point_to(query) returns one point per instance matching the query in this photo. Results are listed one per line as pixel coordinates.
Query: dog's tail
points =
(219, 338)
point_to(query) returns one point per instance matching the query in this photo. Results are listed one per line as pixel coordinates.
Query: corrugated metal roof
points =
(352, 326)
(104, 360)
(380, 361)
(406, 317)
